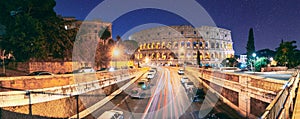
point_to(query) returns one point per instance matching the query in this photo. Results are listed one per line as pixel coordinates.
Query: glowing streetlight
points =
(147, 59)
(116, 53)
(254, 56)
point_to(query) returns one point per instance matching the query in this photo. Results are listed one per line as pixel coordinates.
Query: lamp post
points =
(3, 61)
(254, 56)
(227, 61)
(182, 50)
(115, 54)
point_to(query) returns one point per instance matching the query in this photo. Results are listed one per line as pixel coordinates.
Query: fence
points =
(280, 107)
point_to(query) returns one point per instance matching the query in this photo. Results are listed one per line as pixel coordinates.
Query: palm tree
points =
(104, 34)
(286, 54)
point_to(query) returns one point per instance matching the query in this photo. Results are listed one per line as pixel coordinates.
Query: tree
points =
(229, 62)
(261, 62)
(118, 38)
(32, 29)
(286, 54)
(250, 44)
(104, 34)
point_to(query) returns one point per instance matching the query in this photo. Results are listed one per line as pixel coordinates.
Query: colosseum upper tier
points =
(179, 44)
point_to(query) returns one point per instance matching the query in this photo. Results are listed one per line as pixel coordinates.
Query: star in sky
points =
(271, 20)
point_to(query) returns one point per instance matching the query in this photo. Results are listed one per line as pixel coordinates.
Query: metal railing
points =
(280, 107)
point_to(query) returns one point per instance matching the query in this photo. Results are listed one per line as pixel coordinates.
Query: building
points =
(179, 44)
(88, 29)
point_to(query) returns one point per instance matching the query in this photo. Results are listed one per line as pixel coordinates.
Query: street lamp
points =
(182, 50)
(254, 56)
(227, 61)
(3, 61)
(116, 53)
(147, 60)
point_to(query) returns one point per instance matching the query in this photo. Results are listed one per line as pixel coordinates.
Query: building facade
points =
(179, 44)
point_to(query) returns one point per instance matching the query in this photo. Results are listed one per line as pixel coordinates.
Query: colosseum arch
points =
(157, 46)
(206, 44)
(216, 55)
(169, 45)
(206, 55)
(212, 45)
(188, 44)
(175, 45)
(182, 44)
(163, 45)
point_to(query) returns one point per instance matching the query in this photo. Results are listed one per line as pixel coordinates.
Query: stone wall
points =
(268, 69)
(247, 94)
(38, 82)
(257, 107)
(54, 67)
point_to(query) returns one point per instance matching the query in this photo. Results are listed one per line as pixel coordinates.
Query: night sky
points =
(272, 20)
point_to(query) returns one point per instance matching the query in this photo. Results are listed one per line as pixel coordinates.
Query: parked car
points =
(153, 70)
(86, 70)
(39, 73)
(184, 79)
(143, 84)
(181, 72)
(199, 95)
(151, 73)
(102, 69)
(137, 93)
(112, 114)
(189, 85)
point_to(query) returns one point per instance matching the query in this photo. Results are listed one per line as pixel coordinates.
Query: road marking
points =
(122, 101)
(151, 99)
(99, 104)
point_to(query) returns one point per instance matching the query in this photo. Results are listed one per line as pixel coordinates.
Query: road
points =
(166, 99)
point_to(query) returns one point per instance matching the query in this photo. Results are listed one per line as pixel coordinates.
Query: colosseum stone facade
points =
(179, 44)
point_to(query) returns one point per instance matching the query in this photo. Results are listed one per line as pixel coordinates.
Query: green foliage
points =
(25, 38)
(286, 54)
(229, 62)
(33, 30)
(261, 62)
(104, 33)
(250, 44)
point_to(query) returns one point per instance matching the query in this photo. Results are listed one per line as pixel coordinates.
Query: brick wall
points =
(54, 67)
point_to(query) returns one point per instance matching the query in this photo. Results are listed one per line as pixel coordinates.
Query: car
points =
(181, 72)
(102, 69)
(189, 85)
(143, 84)
(86, 70)
(152, 70)
(112, 114)
(150, 75)
(199, 95)
(39, 73)
(137, 93)
(184, 79)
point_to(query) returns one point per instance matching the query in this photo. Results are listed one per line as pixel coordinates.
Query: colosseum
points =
(179, 45)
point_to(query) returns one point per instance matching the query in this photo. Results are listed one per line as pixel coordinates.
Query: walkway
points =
(296, 113)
